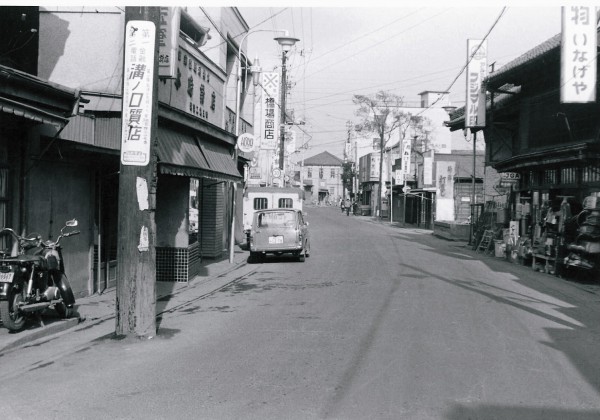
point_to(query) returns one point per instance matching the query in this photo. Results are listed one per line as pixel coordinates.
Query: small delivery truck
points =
(261, 198)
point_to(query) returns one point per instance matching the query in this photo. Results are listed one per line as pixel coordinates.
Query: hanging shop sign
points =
(406, 153)
(428, 169)
(269, 117)
(138, 78)
(476, 72)
(578, 55)
(168, 40)
(399, 177)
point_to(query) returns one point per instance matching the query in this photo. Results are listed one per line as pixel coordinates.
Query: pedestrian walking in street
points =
(342, 204)
(348, 205)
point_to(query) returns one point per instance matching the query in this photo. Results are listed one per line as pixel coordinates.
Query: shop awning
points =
(30, 112)
(185, 155)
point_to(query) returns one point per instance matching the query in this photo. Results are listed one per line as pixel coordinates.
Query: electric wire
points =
(468, 61)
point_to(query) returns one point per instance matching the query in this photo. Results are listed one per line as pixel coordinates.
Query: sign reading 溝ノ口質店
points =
(578, 54)
(138, 79)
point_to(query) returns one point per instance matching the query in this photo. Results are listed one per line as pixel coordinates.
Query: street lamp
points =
(380, 119)
(286, 43)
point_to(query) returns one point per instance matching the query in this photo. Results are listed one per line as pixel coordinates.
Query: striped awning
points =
(187, 155)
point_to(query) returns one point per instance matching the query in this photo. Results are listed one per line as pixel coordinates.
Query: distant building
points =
(322, 178)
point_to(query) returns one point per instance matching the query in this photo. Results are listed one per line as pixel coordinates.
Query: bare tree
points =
(381, 113)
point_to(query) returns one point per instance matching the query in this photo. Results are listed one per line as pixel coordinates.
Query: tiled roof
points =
(323, 159)
(533, 54)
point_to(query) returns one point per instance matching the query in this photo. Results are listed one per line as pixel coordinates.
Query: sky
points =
(344, 51)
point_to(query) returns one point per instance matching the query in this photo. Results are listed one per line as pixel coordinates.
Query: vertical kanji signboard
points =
(138, 77)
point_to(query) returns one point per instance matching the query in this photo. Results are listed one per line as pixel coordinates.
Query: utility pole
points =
(136, 267)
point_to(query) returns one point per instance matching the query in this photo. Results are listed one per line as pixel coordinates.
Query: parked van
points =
(262, 198)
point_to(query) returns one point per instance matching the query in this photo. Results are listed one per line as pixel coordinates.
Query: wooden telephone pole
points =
(136, 254)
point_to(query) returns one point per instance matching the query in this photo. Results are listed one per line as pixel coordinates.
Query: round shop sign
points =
(276, 173)
(245, 142)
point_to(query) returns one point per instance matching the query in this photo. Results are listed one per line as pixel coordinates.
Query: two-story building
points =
(548, 151)
(322, 178)
(73, 171)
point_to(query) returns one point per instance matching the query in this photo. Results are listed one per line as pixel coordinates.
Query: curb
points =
(42, 332)
(87, 321)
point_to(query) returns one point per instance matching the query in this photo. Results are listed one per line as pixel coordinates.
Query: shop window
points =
(285, 203)
(193, 210)
(260, 203)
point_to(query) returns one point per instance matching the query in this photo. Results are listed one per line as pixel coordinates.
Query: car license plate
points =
(6, 277)
(275, 240)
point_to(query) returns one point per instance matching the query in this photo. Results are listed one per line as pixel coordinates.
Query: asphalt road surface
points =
(379, 323)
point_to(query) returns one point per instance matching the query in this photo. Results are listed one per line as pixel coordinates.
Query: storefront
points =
(194, 201)
(37, 192)
(548, 215)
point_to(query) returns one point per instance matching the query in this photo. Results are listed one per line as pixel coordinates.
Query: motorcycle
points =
(32, 278)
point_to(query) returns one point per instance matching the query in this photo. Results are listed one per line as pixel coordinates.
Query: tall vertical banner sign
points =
(168, 41)
(428, 169)
(138, 76)
(476, 72)
(578, 55)
(269, 125)
(406, 153)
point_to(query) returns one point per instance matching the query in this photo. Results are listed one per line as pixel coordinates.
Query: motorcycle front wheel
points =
(11, 317)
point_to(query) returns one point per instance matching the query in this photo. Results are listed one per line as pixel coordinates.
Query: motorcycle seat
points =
(25, 258)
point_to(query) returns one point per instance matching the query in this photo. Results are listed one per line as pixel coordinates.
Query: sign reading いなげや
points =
(578, 55)
(138, 77)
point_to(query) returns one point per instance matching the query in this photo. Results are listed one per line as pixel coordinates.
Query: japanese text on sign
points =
(269, 112)
(168, 36)
(138, 77)
(476, 72)
(578, 54)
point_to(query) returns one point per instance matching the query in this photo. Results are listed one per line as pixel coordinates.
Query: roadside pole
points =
(136, 254)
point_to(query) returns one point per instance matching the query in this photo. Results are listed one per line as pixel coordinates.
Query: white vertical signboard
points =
(168, 41)
(428, 169)
(578, 55)
(476, 72)
(406, 153)
(138, 76)
(269, 125)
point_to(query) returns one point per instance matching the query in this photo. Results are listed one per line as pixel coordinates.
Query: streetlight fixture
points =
(380, 119)
(286, 42)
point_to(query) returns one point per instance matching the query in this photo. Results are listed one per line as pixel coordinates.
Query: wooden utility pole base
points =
(136, 254)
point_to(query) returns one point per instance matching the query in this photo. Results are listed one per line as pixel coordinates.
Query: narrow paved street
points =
(379, 323)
